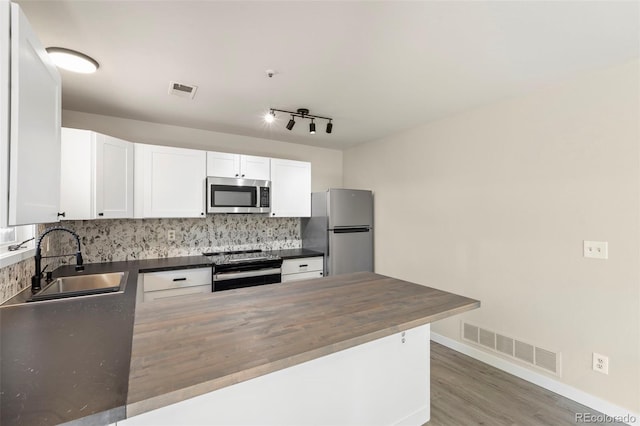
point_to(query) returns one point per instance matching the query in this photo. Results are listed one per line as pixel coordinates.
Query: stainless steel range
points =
(247, 268)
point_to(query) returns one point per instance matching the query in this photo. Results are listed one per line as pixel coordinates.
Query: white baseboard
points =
(541, 380)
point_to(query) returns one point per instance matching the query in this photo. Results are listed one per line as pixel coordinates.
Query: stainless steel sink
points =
(82, 285)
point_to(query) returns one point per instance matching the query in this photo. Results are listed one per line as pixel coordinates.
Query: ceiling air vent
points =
(182, 90)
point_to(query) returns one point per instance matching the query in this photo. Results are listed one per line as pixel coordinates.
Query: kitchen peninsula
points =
(191, 358)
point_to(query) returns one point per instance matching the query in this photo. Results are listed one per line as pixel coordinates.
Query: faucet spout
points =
(37, 277)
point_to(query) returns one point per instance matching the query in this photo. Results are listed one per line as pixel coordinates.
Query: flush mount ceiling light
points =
(302, 113)
(72, 61)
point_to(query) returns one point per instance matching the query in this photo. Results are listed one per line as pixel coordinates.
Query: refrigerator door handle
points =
(350, 230)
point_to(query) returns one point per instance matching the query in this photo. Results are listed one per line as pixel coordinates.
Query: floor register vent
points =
(530, 354)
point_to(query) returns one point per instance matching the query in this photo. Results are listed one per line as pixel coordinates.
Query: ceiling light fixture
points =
(303, 113)
(72, 61)
(270, 116)
(291, 123)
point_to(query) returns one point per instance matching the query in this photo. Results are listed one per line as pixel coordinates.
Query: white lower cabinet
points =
(174, 283)
(382, 382)
(169, 182)
(302, 269)
(290, 188)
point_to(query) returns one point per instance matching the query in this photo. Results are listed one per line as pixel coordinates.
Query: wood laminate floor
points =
(465, 391)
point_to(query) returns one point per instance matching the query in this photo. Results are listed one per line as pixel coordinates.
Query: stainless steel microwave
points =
(230, 195)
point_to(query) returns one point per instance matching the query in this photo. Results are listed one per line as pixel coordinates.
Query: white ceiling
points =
(375, 67)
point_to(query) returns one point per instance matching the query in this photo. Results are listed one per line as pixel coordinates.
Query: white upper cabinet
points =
(113, 178)
(35, 111)
(290, 188)
(252, 167)
(169, 182)
(222, 164)
(96, 179)
(5, 46)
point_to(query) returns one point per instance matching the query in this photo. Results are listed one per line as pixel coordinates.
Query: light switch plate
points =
(596, 249)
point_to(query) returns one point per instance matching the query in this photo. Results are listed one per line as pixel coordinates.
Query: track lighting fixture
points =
(301, 113)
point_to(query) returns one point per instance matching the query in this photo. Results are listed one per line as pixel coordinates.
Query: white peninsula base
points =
(383, 382)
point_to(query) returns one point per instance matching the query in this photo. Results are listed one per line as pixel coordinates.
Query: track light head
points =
(312, 127)
(329, 126)
(270, 116)
(291, 123)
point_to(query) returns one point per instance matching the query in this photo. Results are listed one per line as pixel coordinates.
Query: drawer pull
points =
(179, 279)
(304, 265)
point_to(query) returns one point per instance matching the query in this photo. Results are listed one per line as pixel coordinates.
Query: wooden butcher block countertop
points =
(192, 345)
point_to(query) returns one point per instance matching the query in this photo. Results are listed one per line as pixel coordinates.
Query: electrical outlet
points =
(596, 249)
(600, 363)
(171, 235)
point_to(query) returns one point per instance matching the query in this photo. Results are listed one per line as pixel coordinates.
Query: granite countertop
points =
(72, 360)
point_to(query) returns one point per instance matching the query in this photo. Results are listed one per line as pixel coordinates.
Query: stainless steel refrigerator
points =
(341, 227)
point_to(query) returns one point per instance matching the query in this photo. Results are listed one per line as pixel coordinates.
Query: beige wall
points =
(326, 164)
(495, 203)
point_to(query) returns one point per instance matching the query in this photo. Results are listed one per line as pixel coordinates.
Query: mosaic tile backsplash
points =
(15, 278)
(131, 239)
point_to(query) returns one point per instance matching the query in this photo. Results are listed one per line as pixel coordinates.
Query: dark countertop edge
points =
(163, 400)
(107, 417)
(296, 253)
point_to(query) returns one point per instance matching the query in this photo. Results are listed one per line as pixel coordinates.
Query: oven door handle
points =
(222, 276)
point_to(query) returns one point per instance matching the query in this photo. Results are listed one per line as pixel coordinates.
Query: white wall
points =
(326, 164)
(495, 203)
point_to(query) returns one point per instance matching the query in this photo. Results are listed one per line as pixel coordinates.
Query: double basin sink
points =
(82, 285)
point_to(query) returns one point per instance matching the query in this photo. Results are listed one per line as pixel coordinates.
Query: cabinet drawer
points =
(176, 292)
(302, 276)
(180, 278)
(305, 264)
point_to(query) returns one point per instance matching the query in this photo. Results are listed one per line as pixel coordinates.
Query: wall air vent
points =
(513, 348)
(182, 90)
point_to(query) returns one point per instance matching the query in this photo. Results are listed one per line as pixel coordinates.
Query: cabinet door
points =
(176, 292)
(290, 188)
(113, 178)
(34, 176)
(302, 276)
(76, 174)
(252, 167)
(222, 164)
(5, 48)
(173, 181)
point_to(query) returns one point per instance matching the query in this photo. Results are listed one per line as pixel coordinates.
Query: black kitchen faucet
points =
(37, 277)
